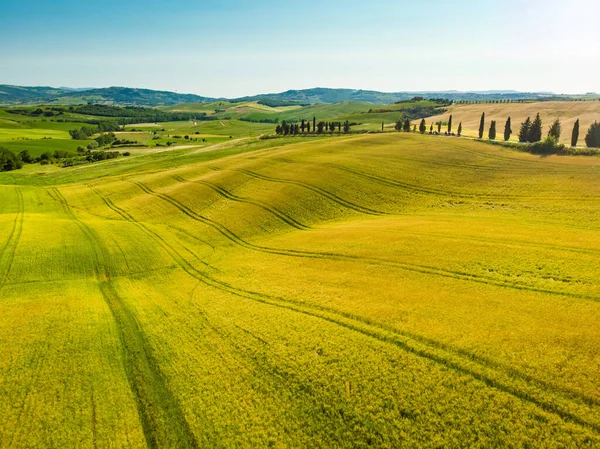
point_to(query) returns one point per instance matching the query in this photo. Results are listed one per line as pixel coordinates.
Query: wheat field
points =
(381, 290)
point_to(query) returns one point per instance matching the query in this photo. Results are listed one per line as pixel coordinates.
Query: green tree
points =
(524, 131)
(450, 124)
(535, 132)
(9, 161)
(592, 138)
(575, 134)
(507, 129)
(481, 125)
(459, 131)
(555, 129)
(492, 131)
(308, 126)
(431, 129)
(406, 126)
(332, 127)
(422, 127)
(302, 126)
(320, 127)
(399, 124)
(314, 124)
(26, 157)
(381, 126)
(439, 126)
(346, 127)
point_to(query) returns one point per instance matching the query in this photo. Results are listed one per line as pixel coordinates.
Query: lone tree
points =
(422, 126)
(450, 124)
(459, 131)
(575, 134)
(535, 132)
(507, 129)
(492, 131)
(481, 125)
(555, 129)
(592, 138)
(406, 126)
(382, 126)
(524, 131)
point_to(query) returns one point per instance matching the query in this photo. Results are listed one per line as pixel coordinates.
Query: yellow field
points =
(567, 111)
(389, 290)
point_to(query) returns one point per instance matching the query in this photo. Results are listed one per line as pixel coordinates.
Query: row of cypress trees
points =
(531, 131)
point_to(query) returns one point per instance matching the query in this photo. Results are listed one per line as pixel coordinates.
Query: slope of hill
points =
(567, 111)
(381, 290)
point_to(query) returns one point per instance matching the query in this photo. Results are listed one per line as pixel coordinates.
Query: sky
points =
(232, 48)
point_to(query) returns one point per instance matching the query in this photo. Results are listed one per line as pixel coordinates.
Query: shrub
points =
(547, 146)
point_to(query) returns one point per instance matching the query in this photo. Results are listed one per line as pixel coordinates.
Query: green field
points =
(387, 290)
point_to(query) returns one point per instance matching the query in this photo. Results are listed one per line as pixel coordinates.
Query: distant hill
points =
(325, 95)
(126, 96)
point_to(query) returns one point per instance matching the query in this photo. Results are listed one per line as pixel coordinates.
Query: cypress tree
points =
(406, 126)
(535, 132)
(575, 134)
(399, 124)
(507, 129)
(524, 131)
(314, 123)
(382, 126)
(459, 132)
(592, 138)
(422, 126)
(481, 125)
(555, 130)
(431, 129)
(303, 125)
(308, 126)
(439, 127)
(450, 124)
(492, 131)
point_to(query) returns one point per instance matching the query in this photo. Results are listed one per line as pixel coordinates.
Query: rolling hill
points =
(376, 290)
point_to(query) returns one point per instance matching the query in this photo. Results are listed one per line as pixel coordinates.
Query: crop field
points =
(567, 111)
(379, 290)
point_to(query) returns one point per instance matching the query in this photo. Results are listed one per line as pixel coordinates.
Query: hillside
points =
(567, 111)
(378, 290)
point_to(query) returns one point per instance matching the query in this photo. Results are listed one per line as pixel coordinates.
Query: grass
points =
(373, 290)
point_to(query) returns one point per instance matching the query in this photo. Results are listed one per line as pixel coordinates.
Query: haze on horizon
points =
(234, 48)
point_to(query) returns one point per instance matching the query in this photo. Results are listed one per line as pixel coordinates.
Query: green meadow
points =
(364, 290)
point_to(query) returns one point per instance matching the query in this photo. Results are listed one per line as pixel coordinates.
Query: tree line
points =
(304, 127)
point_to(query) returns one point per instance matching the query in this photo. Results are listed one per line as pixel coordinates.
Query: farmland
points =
(365, 290)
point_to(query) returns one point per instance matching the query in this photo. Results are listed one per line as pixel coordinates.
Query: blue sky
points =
(234, 47)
